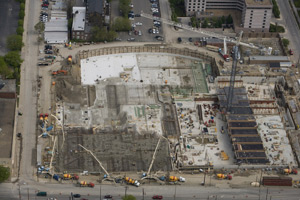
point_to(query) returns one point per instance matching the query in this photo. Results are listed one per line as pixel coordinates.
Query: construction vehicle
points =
(290, 171)
(223, 176)
(176, 179)
(107, 175)
(132, 181)
(85, 184)
(69, 176)
(69, 59)
(54, 73)
(43, 116)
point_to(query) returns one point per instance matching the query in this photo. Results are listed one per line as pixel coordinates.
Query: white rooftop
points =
(78, 18)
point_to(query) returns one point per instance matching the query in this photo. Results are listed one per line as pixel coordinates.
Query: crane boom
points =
(233, 72)
(153, 158)
(95, 159)
(201, 31)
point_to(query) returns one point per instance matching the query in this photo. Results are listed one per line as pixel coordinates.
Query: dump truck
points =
(290, 171)
(69, 176)
(175, 179)
(85, 184)
(223, 176)
(132, 181)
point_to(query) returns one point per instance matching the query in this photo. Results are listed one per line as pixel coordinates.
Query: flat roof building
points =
(256, 14)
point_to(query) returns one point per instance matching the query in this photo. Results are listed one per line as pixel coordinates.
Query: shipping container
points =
(277, 181)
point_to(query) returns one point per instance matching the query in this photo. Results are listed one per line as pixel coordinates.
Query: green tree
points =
(20, 30)
(22, 6)
(275, 10)
(121, 24)
(21, 14)
(194, 21)
(20, 22)
(129, 197)
(101, 34)
(39, 27)
(13, 59)
(111, 36)
(223, 19)
(229, 19)
(205, 23)
(285, 42)
(14, 42)
(174, 17)
(124, 7)
(4, 70)
(4, 173)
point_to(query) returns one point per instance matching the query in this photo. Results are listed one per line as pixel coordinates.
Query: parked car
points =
(157, 197)
(137, 15)
(47, 46)
(131, 5)
(108, 196)
(139, 23)
(150, 30)
(179, 39)
(130, 39)
(48, 52)
(76, 195)
(291, 52)
(190, 39)
(140, 33)
(160, 38)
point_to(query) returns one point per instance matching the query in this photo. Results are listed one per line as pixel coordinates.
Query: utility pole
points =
(126, 187)
(28, 193)
(175, 192)
(100, 192)
(143, 194)
(267, 194)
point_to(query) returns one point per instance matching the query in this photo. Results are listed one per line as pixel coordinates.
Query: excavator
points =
(54, 73)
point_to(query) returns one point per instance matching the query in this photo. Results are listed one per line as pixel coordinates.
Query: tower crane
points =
(237, 43)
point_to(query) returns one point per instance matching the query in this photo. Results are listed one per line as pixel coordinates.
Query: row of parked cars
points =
(44, 14)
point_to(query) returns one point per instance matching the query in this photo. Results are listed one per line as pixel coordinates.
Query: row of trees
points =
(275, 10)
(11, 62)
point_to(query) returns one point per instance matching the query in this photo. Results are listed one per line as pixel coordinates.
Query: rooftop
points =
(78, 18)
(258, 2)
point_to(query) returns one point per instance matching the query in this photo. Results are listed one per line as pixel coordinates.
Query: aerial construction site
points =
(152, 109)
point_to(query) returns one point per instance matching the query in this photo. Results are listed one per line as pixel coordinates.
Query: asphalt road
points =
(28, 93)
(168, 192)
(9, 15)
(293, 32)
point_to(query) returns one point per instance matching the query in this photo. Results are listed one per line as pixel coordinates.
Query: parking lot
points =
(142, 24)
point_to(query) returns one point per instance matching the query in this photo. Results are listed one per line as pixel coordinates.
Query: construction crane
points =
(201, 31)
(100, 164)
(237, 43)
(148, 175)
(233, 72)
